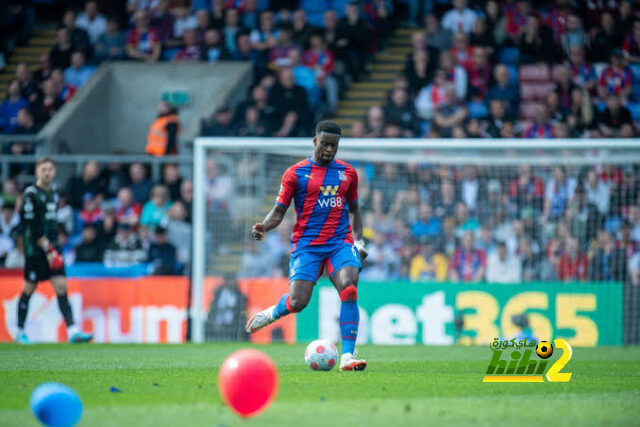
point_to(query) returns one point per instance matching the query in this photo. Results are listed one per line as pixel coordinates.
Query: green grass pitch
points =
(176, 385)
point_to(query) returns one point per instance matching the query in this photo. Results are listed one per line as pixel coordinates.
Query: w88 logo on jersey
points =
(331, 202)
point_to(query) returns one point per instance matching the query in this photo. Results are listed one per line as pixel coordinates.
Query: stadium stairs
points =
(372, 90)
(41, 40)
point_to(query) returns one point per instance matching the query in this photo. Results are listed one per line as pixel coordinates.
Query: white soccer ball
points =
(321, 355)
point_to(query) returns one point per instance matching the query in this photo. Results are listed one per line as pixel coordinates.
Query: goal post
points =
(235, 183)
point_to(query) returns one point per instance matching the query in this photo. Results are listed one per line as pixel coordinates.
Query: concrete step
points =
(391, 66)
(32, 49)
(356, 103)
(366, 94)
(351, 112)
(11, 68)
(343, 122)
(25, 57)
(42, 41)
(372, 85)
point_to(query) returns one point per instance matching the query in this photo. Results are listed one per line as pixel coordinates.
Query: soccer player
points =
(325, 193)
(43, 260)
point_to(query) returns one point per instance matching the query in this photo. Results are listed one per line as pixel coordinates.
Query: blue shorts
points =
(309, 262)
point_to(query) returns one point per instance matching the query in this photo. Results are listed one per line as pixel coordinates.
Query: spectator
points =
(163, 132)
(564, 86)
(464, 221)
(231, 30)
(429, 265)
(617, 78)
(222, 124)
(445, 200)
(504, 90)
(503, 267)
(10, 107)
(155, 210)
(461, 51)
(426, 227)
(432, 97)
(419, 70)
(450, 114)
(183, 20)
(28, 88)
(374, 123)
(213, 48)
(78, 37)
(531, 263)
(179, 231)
(455, 74)
(526, 191)
(479, 72)
(264, 37)
(608, 263)
(605, 39)
(301, 29)
(400, 111)
(78, 73)
(172, 180)
(15, 258)
(45, 70)
(91, 21)
(496, 119)
(558, 193)
(321, 61)
(574, 36)
(580, 117)
(204, 23)
(91, 212)
(542, 127)
(186, 197)
(252, 125)
(90, 248)
(191, 52)
(437, 36)
(162, 20)
(60, 53)
(279, 55)
(256, 261)
(125, 249)
(110, 44)
(290, 102)
(27, 125)
(583, 73)
(162, 254)
(467, 264)
(140, 184)
(250, 13)
(143, 42)
(460, 18)
(482, 35)
(127, 211)
(305, 77)
(597, 191)
(355, 39)
(615, 121)
(88, 182)
(383, 263)
(631, 45)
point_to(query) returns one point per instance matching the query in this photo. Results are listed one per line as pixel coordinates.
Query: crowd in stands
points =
(496, 224)
(115, 216)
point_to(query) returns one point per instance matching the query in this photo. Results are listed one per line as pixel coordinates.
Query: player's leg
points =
(343, 268)
(59, 283)
(304, 269)
(23, 309)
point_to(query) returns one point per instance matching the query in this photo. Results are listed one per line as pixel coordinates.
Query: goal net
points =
(468, 240)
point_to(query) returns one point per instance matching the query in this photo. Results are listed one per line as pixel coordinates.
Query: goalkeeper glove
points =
(56, 262)
(359, 244)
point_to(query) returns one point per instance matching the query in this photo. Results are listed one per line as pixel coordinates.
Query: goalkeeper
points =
(43, 260)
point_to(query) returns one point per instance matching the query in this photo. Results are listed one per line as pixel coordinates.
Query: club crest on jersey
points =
(342, 176)
(329, 190)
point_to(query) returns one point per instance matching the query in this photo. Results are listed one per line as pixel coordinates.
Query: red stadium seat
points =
(535, 72)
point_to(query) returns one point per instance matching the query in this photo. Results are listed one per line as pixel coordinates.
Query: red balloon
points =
(248, 382)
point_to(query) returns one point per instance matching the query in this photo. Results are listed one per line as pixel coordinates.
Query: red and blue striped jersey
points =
(321, 195)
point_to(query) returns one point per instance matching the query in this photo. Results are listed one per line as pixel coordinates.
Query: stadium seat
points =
(509, 56)
(528, 110)
(513, 74)
(315, 9)
(535, 72)
(477, 110)
(634, 109)
(535, 91)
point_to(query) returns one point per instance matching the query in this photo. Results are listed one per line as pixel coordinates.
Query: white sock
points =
(72, 330)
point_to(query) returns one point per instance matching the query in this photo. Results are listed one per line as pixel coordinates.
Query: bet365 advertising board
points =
(584, 314)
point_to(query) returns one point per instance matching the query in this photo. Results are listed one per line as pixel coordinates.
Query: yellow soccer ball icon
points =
(544, 349)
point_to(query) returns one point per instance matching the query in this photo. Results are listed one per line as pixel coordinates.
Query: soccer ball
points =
(321, 355)
(544, 349)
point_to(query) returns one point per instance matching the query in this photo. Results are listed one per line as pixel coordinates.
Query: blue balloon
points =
(56, 405)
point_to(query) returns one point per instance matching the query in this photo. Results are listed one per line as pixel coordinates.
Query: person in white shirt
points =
(460, 18)
(503, 267)
(92, 22)
(598, 191)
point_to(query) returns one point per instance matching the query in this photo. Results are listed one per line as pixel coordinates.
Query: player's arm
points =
(35, 220)
(356, 226)
(275, 216)
(271, 221)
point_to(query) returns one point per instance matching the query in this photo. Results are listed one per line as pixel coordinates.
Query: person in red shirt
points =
(143, 42)
(462, 51)
(616, 78)
(321, 61)
(573, 263)
(467, 263)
